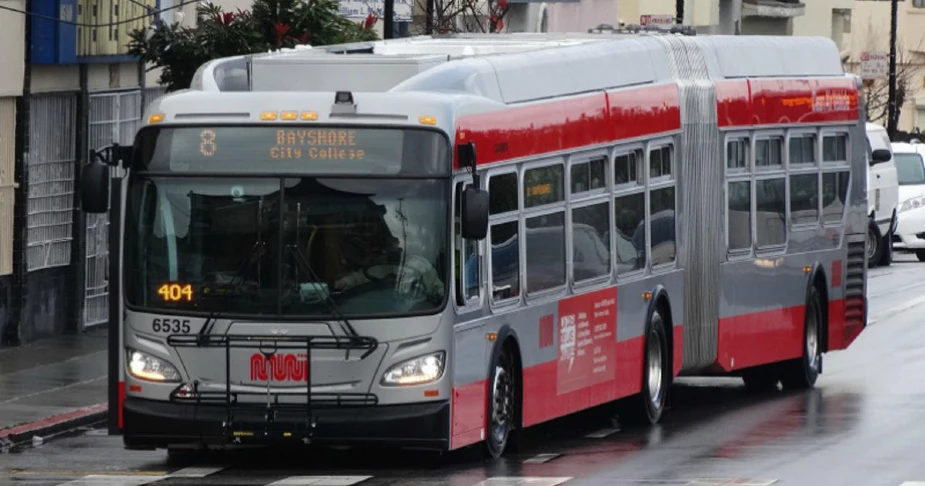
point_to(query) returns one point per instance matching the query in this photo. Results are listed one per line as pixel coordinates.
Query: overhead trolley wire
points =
(110, 24)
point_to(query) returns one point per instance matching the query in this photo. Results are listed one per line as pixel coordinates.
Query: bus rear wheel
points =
(802, 373)
(502, 404)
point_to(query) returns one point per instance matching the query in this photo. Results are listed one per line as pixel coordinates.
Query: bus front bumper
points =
(157, 424)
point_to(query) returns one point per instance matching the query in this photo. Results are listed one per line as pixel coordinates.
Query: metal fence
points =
(115, 116)
(51, 160)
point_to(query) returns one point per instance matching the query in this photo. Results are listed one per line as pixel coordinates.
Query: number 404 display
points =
(175, 292)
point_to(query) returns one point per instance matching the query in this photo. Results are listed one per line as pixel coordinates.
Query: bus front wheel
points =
(502, 404)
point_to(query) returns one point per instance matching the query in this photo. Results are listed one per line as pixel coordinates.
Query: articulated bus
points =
(436, 242)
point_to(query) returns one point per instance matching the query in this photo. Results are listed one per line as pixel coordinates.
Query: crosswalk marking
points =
(320, 481)
(541, 458)
(516, 481)
(113, 480)
(600, 434)
(731, 482)
(196, 472)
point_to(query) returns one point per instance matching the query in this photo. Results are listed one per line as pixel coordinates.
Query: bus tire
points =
(502, 404)
(801, 374)
(648, 406)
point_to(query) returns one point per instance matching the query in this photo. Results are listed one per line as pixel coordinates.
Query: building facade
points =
(73, 89)
(12, 51)
(870, 32)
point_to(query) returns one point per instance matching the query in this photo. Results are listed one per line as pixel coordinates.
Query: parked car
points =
(910, 171)
(882, 196)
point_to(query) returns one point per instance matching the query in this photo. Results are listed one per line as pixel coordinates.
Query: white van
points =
(910, 224)
(882, 196)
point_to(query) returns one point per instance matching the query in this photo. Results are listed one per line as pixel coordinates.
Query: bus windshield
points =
(278, 245)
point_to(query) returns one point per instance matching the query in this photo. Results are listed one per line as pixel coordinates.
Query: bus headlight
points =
(417, 371)
(147, 367)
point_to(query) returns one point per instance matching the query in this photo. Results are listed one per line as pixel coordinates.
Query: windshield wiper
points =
(256, 252)
(328, 300)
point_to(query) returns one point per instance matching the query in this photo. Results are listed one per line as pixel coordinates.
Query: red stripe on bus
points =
(744, 103)
(678, 343)
(540, 128)
(760, 337)
(121, 400)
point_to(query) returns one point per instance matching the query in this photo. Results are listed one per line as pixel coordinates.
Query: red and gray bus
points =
(439, 241)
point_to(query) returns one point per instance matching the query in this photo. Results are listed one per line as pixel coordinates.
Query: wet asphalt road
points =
(864, 424)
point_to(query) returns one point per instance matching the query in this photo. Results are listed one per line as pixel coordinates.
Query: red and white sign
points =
(660, 21)
(280, 367)
(875, 65)
(587, 341)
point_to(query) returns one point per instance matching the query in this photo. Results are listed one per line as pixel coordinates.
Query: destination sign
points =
(297, 150)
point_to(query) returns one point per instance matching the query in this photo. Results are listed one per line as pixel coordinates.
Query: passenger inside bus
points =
(414, 276)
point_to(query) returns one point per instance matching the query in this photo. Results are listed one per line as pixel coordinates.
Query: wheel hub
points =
(654, 363)
(502, 403)
(812, 338)
(871, 244)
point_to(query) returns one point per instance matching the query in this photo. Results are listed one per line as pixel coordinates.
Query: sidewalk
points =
(52, 385)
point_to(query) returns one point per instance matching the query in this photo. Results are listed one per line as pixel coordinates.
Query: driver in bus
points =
(413, 274)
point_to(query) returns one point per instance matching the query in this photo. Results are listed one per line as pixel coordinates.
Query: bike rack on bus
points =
(268, 346)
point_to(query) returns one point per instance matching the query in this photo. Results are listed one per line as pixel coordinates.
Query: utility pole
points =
(679, 11)
(429, 25)
(892, 109)
(389, 14)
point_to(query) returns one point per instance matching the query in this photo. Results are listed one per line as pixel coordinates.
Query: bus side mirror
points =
(474, 217)
(879, 156)
(94, 187)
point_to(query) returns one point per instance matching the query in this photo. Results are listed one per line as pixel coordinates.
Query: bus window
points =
(545, 233)
(468, 264)
(835, 148)
(545, 252)
(626, 169)
(662, 225)
(544, 185)
(590, 175)
(803, 149)
(834, 195)
(739, 214)
(804, 198)
(737, 154)
(770, 218)
(591, 241)
(768, 152)
(630, 214)
(504, 236)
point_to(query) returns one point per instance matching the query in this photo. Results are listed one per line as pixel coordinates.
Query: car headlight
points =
(417, 371)
(147, 367)
(912, 203)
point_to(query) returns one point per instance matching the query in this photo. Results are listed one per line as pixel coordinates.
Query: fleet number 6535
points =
(169, 325)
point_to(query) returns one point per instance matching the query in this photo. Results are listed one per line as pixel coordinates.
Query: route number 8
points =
(207, 143)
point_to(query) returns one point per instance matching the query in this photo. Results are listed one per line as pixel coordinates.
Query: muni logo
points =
(280, 367)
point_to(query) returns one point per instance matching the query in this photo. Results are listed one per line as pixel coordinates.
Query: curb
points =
(55, 424)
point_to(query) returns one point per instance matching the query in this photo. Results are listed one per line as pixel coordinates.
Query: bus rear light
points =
(416, 371)
(146, 367)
